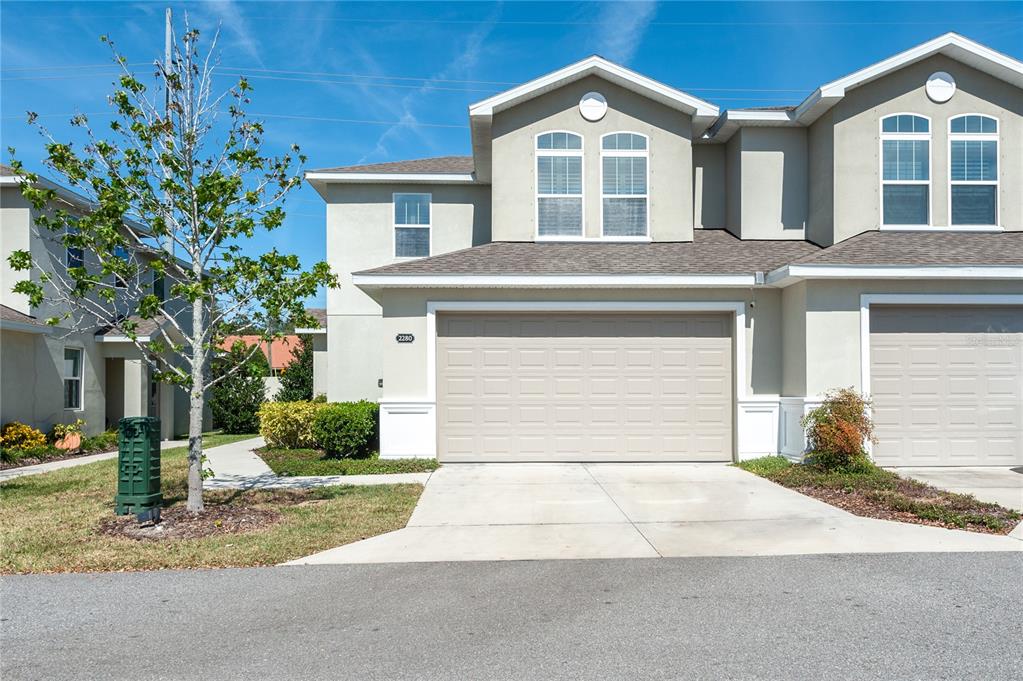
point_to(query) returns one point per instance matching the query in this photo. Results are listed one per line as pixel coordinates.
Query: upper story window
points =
(159, 287)
(122, 253)
(559, 184)
(973, 170)
(623, 168)
(905, 170)
(74, 257)
(412, 225)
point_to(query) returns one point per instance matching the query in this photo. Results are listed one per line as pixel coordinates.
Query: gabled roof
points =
(12, 320)
(595, 65)
(877, 247)
(953, 45)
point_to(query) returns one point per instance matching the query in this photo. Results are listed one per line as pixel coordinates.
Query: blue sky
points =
(366, 82)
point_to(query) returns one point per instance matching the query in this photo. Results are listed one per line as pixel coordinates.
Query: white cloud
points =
(235, 27)
(622, 25)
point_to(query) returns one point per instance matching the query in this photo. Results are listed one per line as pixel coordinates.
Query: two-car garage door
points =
(584, 387)
(947, 385)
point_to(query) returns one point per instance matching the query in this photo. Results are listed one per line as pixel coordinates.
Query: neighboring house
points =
(55, 375)
(621, 271)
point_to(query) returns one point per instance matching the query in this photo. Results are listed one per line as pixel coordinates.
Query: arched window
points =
(973, 170)
(624, 194)
(559, 184)
(905, 170)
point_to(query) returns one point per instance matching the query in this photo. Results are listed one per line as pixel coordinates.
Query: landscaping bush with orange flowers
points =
(838, 430)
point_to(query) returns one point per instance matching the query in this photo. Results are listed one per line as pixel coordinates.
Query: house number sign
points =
(404, 338)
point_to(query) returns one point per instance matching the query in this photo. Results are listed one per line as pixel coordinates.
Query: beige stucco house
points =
(623, 272)
(50, 374)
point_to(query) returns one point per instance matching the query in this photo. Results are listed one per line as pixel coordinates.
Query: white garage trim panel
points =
(946, 381)
(584, 387)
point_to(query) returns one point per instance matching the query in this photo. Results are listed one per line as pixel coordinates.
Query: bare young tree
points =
(178, 184)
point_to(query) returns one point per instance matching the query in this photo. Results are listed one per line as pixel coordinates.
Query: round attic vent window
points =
(593, 106)
(940, 87)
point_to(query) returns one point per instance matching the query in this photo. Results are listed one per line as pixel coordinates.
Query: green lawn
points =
(48, 522)
(876, 493)
(291, 462)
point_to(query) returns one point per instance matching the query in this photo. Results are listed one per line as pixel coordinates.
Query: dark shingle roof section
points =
(9, 314)
(922, 248)
(319, 314)
(441, 165)
(711, 252)
(6, 171)
(143, 327)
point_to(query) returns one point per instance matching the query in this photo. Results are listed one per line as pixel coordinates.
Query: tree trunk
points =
(196, 401)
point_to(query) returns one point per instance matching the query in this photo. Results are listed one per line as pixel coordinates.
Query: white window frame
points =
(978, 136)
(395, 226)
(81, 379)
(537, 153)
(644, 153)
(917, 136)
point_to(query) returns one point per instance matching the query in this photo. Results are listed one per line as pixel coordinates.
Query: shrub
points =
(18, 436)
(288, 424)
(104, 442)
(347, 429)
(297, 379)
(837, 430)
(236, 399)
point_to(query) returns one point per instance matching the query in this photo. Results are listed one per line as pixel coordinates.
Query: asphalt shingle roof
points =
(923, 248)
(9, 314)
(143, 327)
(319, 314)
(718, 252)
(711, 252)
(454, 165)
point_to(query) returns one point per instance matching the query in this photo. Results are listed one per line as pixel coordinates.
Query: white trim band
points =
(371, 281)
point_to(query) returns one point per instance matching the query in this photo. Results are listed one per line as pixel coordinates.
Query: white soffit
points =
(370, 178)
(619, 75)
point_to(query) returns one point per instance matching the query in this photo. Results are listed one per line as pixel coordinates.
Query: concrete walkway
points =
(236, 466)
(11, 473)
(996, 484)
(548, 511)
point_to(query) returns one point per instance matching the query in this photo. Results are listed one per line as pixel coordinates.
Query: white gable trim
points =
(430, 178)
(375, 281)
(619, 75)
(790, 274)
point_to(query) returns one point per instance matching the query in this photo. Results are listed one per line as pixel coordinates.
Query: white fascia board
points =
(71, 197)
(619, 74)
(24, 327)
(373, 281)
(311, 331)
(431, 178)
(122, 339)
(790, 274)
(838, 87)
(732, 119)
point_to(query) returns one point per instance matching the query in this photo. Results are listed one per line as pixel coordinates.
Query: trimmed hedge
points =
(289, 424)
(347, 429)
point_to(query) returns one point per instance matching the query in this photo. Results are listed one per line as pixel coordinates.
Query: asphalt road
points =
(905, 616)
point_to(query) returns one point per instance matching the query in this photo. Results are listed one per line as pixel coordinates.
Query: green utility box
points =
(138, 469)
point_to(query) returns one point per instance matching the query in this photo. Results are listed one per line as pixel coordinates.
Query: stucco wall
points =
(32, 380)
(404, 364)
(820, 227)
(793, 340)
(855, 122)
(709, 177)
(319, 364)
(733, 183)
(15, 228)
(360, 235)
(514, 165)
(773, 183)
(833, 323)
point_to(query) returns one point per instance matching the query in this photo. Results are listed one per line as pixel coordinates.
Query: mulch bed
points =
(178, 523)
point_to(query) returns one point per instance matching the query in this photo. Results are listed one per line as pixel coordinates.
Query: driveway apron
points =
(566, 511)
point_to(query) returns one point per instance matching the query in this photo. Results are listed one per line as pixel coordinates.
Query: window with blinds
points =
(973, 170)
(412, 225)
(559, 184)
(905, 170)
(624, 199)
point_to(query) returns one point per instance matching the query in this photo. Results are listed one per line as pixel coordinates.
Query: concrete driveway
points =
(995, 484)
(548, 511)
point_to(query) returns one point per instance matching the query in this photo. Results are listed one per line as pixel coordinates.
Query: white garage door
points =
(946, 384)
(584, 387)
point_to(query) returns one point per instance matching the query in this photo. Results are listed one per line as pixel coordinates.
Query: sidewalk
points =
(12, 473)
(235, 466)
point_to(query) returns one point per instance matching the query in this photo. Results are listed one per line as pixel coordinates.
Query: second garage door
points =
(566, 387)
(947, 385)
